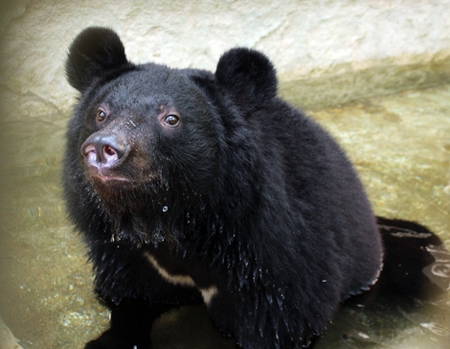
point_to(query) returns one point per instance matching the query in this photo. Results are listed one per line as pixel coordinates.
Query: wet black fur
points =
(261, 201)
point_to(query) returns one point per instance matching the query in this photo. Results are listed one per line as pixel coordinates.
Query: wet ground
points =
(400, 145)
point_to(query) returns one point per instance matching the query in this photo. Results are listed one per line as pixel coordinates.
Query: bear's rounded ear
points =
(94, 51)
(248, 75)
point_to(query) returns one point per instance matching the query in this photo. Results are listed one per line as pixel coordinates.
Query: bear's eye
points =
(172, 120)
(101, 115)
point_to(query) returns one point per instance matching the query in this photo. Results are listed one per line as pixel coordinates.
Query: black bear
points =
(190, 186)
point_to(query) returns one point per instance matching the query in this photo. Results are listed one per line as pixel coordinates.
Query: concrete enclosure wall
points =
(325, 51)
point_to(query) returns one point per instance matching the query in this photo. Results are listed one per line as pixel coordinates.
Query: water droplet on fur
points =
(261, 331)
(275, 327)
(241, 282)
(165, 209)
(269, 298)
(280, 301)
(157, 237)
(280, 297)
(259, 273)
(287, 324)
(256, 273)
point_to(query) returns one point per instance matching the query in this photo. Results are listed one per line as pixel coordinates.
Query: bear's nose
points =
(102, 150)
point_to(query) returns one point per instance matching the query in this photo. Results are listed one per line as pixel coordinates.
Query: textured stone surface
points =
(339, 49)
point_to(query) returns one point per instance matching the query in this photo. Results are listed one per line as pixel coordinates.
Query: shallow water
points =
(400, 145)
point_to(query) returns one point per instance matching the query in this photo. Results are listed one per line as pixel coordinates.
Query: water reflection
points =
(436, 328)
(439, 271)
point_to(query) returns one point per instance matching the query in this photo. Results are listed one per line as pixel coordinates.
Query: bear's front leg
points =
(130, 326)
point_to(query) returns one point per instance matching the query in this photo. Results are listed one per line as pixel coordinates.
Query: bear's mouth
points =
(109, 178)
(119, 176)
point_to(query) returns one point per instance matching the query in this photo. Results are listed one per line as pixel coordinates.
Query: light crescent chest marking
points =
(184, 280)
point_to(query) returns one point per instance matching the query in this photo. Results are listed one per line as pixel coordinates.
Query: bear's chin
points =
(122, 195)
(116, 194)
(139, 228)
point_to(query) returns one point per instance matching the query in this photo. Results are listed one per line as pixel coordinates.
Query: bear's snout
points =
(104, 150)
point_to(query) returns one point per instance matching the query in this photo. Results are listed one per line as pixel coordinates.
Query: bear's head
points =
(147, 134)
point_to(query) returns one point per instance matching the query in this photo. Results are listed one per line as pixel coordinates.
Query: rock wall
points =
(325, 51)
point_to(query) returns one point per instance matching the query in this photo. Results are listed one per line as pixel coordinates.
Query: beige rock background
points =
(326, 52)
